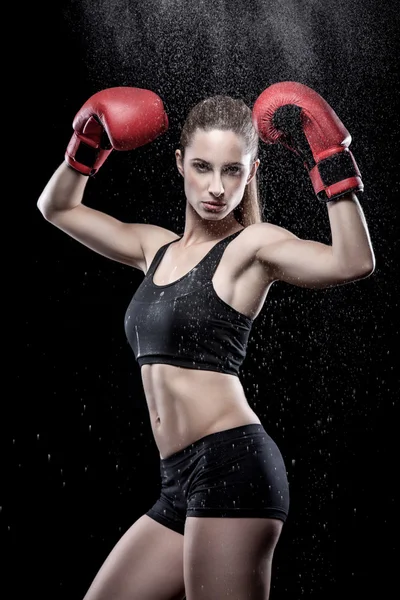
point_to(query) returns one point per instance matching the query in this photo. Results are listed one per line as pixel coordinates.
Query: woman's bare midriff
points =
(188, 404)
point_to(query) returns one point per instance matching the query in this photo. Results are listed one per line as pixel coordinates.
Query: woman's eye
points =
(202, 167)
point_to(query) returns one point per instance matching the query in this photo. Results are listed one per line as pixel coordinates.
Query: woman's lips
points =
(214, 206)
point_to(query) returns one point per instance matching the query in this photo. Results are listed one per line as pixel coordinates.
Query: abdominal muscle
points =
(187, 404)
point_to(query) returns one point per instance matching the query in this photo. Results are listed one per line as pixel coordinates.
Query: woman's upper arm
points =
(304, 263)
(106, 235)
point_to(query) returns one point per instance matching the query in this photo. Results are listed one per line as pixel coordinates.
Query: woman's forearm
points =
(63, 191)
(351, 242)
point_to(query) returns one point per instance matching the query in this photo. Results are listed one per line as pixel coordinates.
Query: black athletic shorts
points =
(237, 472)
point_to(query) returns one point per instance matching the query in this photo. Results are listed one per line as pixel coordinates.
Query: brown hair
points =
(226, 113)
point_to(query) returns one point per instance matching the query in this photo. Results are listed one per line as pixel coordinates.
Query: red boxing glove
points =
(295, 116)
(118, 118)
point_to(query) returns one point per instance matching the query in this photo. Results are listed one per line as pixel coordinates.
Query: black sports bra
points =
(185, 323)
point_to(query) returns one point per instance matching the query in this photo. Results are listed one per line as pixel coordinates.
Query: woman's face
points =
(216, 168)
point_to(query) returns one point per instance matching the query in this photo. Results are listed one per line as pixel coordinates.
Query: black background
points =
(321, 370)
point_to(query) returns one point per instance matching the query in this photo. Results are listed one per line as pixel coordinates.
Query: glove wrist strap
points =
(336, 176)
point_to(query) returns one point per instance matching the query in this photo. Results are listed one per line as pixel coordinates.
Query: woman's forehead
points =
(217, 141)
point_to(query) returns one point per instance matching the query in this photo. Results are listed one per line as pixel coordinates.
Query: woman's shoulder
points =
(272, 230)
(154, 237)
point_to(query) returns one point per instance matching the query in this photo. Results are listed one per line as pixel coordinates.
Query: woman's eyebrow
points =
(231, 164)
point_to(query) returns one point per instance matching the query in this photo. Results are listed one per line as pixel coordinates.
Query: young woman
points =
(224, 496)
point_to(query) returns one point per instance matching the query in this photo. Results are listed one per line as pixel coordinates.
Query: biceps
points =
(102, 233)
(303, 263)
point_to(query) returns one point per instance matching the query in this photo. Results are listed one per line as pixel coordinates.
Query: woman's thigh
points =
(229, 557)
(145, 564)
(238, 501)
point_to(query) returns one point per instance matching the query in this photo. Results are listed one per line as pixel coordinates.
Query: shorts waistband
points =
(218, 436)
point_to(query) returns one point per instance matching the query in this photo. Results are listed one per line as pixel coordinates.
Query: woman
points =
(224, 496)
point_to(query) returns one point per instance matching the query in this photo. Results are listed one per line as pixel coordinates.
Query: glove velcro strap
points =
(88, 148)
(84, 155)
(335, 176)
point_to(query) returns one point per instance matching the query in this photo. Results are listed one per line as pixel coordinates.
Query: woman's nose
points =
(216, 188)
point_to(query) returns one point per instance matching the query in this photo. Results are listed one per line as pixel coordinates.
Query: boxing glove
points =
(297, 117)
(118, 118)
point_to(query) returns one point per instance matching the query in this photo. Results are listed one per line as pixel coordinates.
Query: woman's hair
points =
(226, 113)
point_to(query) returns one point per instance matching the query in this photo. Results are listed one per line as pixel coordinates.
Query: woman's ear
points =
(253, 170)
(179, 162)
